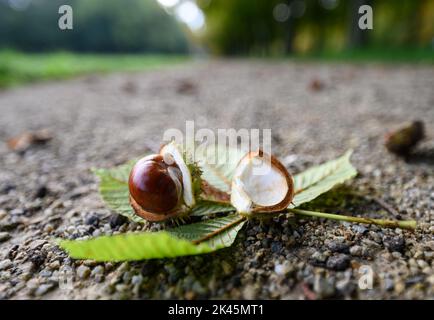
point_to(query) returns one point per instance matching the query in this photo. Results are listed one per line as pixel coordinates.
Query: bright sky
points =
(168, 3)
(187, 11)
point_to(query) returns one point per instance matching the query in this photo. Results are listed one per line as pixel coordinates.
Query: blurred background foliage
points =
(99, 26)
(270, 27)
(241, 27)
(32, 46)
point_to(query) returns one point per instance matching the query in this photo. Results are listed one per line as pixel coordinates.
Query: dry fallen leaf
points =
(403, 140)
(316, 85)
(186, 87)
(26, 139)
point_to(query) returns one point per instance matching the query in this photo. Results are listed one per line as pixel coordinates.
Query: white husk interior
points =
(175, 174)
(251, 188)
(172, 150)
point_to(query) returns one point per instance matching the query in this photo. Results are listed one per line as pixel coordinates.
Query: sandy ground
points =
(103, 120)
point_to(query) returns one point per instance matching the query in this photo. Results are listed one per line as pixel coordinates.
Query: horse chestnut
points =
(155, 188)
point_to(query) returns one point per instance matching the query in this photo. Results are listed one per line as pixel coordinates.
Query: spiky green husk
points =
(196, 173)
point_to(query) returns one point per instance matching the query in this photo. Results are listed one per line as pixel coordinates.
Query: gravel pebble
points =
(83, 272)
(318, 258)
(43, 289)
(338, 262)
(5, 264)
(98, 270)
(55, 265)
(395, 244)
(92, 220)
(137, 280)
(359, 229)
(4, 236)
(356, 250)
(116, 220)
(282, 269)
(338, 247)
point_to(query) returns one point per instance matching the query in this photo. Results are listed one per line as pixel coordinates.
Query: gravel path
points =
(100, 121)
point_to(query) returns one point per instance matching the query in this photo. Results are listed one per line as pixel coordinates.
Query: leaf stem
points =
(407, 224)
(377, 200)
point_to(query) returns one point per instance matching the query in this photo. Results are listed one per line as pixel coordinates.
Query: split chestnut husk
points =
(261, 183)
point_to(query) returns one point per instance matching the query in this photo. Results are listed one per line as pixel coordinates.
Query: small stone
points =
(198, 288)
(3, 214)
(395, 244)
(36, 244)
(356, 251)
(83, 272)
(43, 289)
(429, 255)
(45, 273)
(227, 268)
(92, 220)
(371, 245)
(338, 247)
(121, 287)
(13, 252)
(32, 284)
(17, 212)
(37, 258)
(338, 262)
(4, 236)
(54, 265)
(149, 269)
(48, 228)
(318, 259)
(126, 277)
(5, 264)
(399, 287)
(249, 292)
(396, 255)
(96, 233)
(260, 236)
(282, 269)
(137, 280)
(41, 192)
(427, 270)
(117, 220)
(9, 225)
(421, 263)
(414, 280)
(418, 254)
(71, 229)
(276, 247)
(98, 270)
(265, 242)
(388, 284)
(359, 229)
(375, 236)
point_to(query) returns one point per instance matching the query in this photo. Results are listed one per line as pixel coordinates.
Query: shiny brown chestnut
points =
(155, 188)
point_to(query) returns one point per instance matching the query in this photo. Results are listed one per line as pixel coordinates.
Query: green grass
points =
(18, 68)
(381, 55)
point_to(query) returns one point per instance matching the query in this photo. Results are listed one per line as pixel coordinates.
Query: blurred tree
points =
(285, 26)
(357, 37)
(241, 26)
(99, 25)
